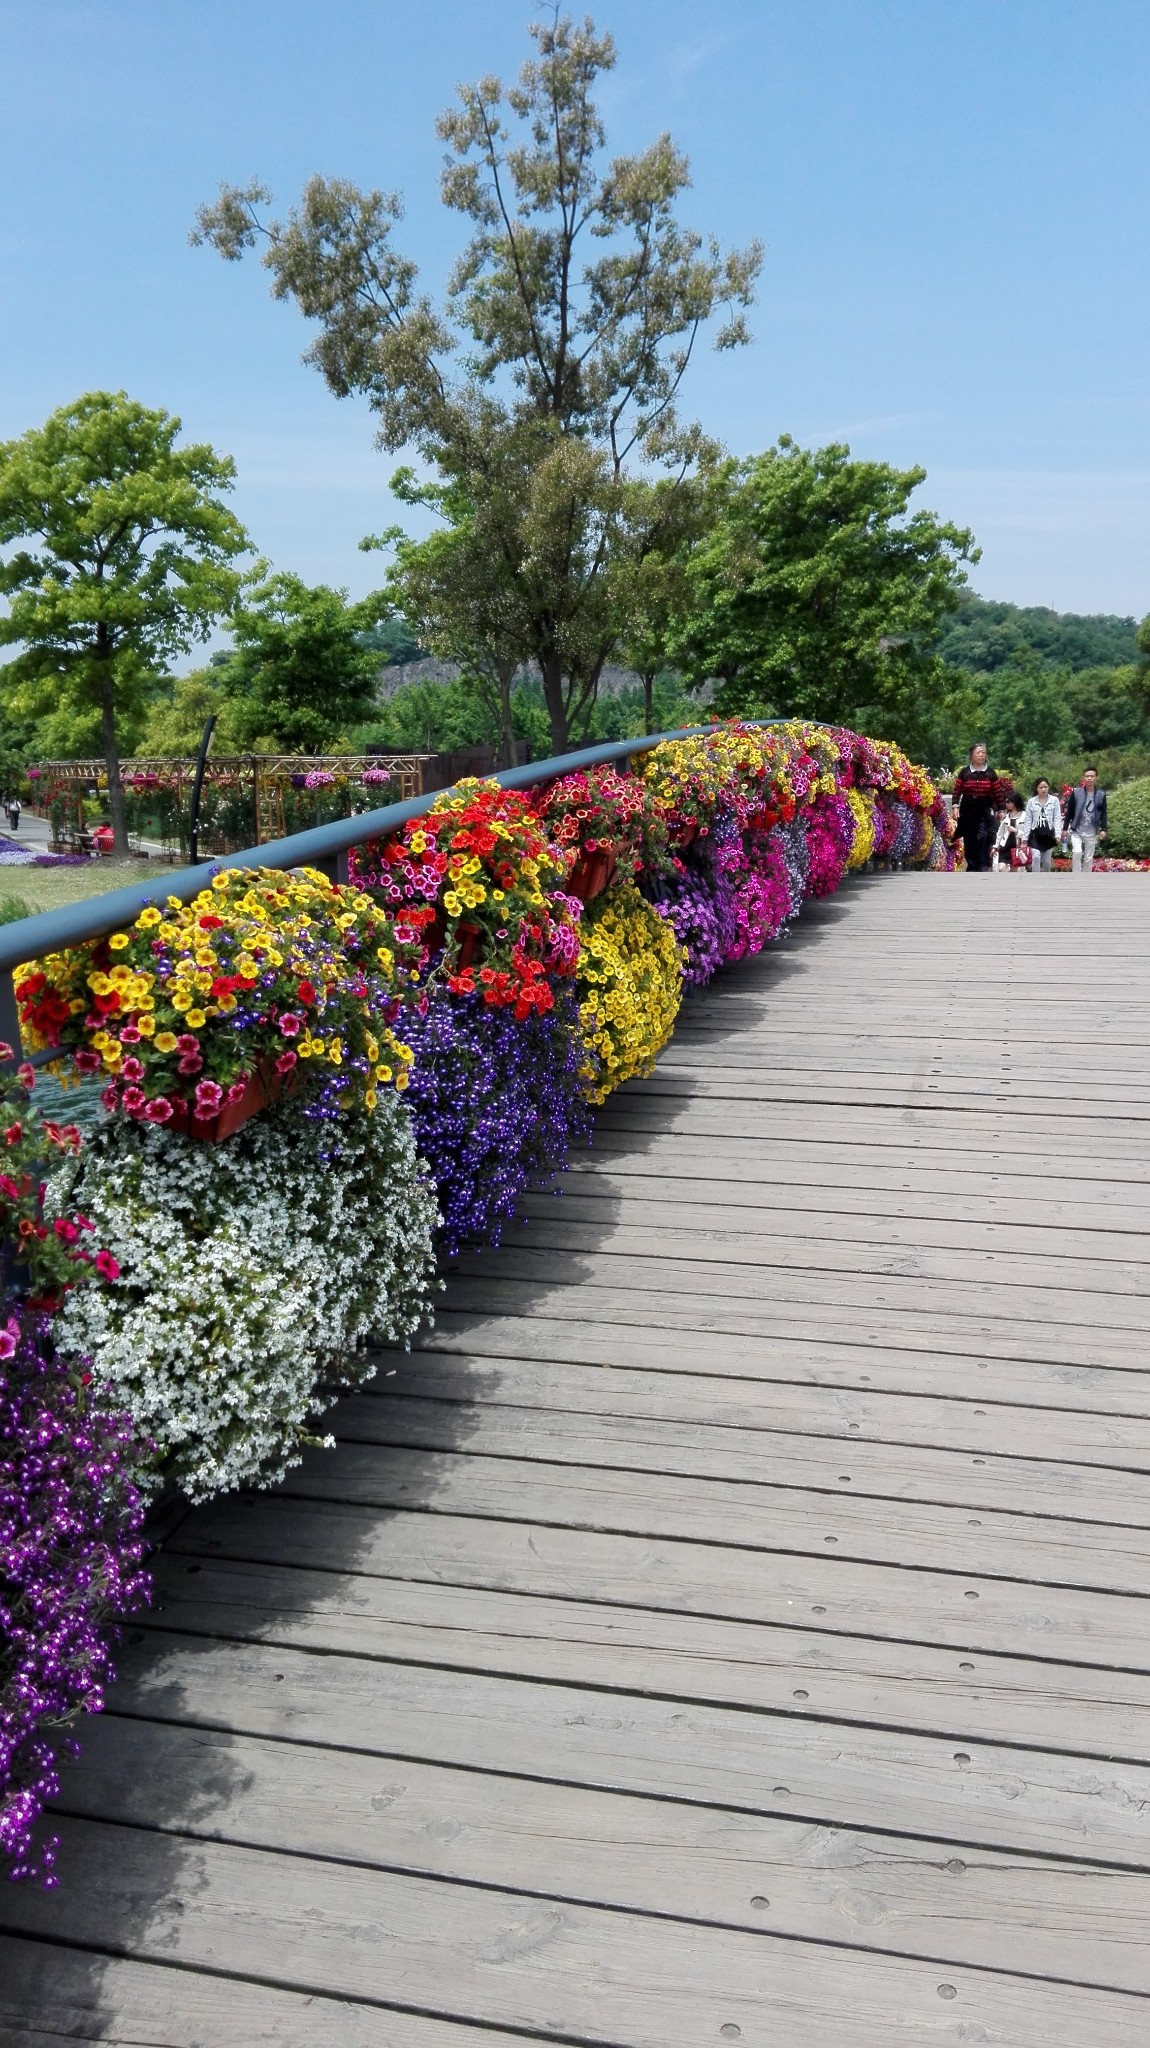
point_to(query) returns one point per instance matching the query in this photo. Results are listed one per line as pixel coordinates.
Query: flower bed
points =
(512, 958)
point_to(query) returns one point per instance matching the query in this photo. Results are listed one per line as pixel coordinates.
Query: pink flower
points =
(238, 1090)
(133, 1100)
(129, 1035)
(7, 1052)
(88, 1061)
(158, 1110)
(286, 1062)
(209, 1096)
(66, 1230)
(189, 1064)
(132, 1070)
(290, 1024)
(8, 1338)
(187, 1042)
(106, 1266)
(111, 1096)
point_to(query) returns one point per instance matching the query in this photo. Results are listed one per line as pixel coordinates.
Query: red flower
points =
(305, 990)
(106, 1266)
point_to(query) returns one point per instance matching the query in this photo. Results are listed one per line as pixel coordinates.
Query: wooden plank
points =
(563, 1972)
(892, 1603)
(700, 1240)
(864, 1891)
(936, 1786)
(943, 1370)
(801, 1671)
(50, 1996)
(858, 1311)
(754, 1214)
(1002, 1480)
(1078, 1435)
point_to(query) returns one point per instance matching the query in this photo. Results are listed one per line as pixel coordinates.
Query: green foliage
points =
(555, 360)
(300, 673)
(1024, 712)
(12, 909)
(393, 641)
(1128, 811)
(131, 563)
(428, 718)
(983, 636)
(174, 722)
(816, 592)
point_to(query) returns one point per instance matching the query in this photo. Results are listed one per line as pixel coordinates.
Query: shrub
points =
(1128, 815)
(249, 1272)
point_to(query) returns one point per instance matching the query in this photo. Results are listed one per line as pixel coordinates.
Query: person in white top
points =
(1042, 826)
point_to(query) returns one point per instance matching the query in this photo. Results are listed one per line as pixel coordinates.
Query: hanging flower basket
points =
(592, 873)
(469, 937)
(260, 1088)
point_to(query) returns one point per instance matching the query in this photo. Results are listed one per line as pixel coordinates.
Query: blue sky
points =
(953, 195)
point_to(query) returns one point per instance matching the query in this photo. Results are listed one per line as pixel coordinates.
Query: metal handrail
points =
(50, 931)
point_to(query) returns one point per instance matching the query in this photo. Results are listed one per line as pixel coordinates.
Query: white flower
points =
(253, 1273)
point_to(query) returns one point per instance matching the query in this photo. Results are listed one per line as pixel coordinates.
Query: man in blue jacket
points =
(1085, 821)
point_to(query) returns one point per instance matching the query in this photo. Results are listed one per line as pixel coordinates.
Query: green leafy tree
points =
(175, 720)
(554, 364)
(1025, 712)
(816, 592)
(300, 673)
(132, 561)
(982, 634)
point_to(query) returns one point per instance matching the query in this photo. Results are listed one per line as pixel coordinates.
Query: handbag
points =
(1042, 836)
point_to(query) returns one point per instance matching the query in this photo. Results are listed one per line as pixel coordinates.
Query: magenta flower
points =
(107, 1267)
(189, 1064)
(209, 1096)
(187, 1042)
(110, 1096)
(159, 1110)
(132, 1069)
(286, 1062)
(129, 1035)
(133, 1100)
(88, 1061)
(290, 1024)
(238, 1090)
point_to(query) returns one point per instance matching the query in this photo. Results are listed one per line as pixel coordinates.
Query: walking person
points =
(1042, 826)
(14, 813)
(1006, 838)
(1085, 821)
(975, 791)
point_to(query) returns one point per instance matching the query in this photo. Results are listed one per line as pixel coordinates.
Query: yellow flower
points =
(118, 941)
(181, 1000)
(148, 918)
(195, 1020)
(370, 1098)
(226, 1004)
(166, 1041)
(382, 1075)
(335, 1053)
(145, 1026)
(222, 882)
(451, 903)
(401, 1082)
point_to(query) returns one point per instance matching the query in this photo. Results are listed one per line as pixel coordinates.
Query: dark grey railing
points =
(325, 847)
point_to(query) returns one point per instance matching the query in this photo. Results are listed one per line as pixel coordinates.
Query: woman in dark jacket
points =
(975, 795)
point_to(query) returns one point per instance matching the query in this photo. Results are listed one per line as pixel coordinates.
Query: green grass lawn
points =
(48, 888)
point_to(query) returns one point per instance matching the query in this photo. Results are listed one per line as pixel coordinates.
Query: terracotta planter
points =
(264, 1086)
(592, 873)
(469, 935)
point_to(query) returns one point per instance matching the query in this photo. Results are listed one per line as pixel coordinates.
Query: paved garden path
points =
(734, 1622)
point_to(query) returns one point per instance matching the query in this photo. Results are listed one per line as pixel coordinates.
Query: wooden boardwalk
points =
(734, 1623)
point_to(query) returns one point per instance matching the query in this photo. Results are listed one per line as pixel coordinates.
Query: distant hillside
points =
(982, 635)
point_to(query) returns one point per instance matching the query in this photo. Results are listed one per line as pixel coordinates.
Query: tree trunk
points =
(111, 750)
(551, 670)
(505, 676)
(648, 700)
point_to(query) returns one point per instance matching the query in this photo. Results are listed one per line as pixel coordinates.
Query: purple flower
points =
(69, 1564)
(497, 1106)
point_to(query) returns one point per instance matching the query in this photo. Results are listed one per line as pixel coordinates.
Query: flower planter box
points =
(469, 935)
(592, 873)
(263, 1087)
